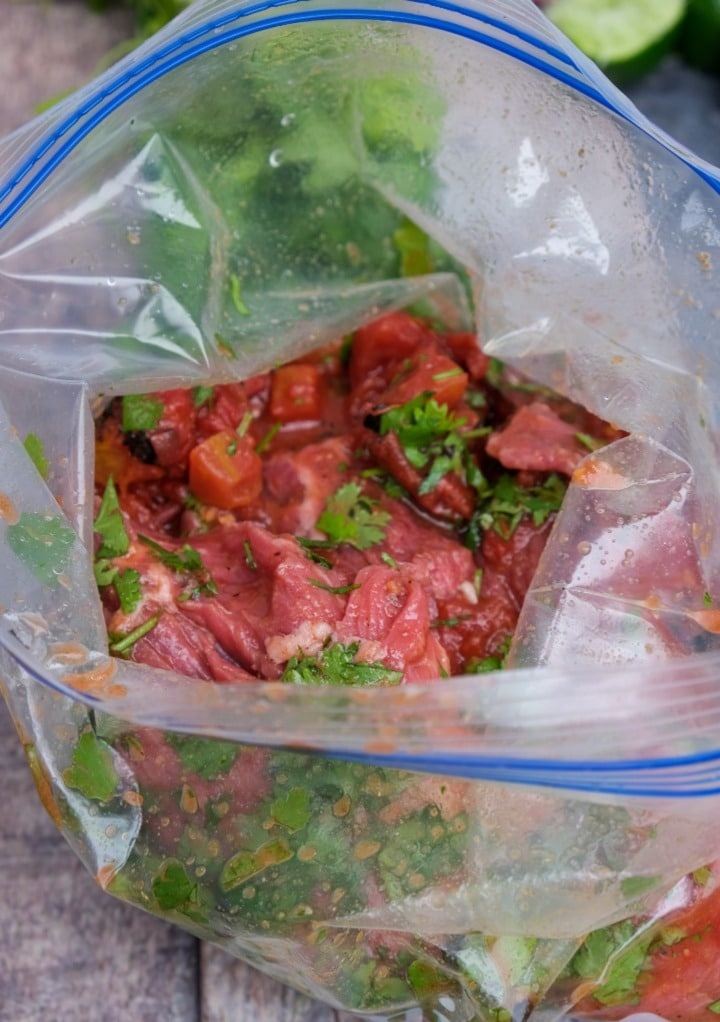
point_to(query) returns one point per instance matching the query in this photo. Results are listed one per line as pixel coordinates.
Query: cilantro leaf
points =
(207, 757)
(202, 395)
(502, 506)
(120, 643)
(292, 810)
(352, 517)
(615, 957)
(36, 452)
(92, 770)
(129, 589)
(433, 440)
(43, 543)
(185, 561)
(109, 525)
(336, 665)
(172, 886)
(141, 411)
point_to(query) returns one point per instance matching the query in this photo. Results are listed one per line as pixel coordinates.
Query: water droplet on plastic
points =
(275, 158)
(584, 548)
(287, 119)
(111, 282)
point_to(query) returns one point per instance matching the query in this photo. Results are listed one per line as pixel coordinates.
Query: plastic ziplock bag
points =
(488, 847)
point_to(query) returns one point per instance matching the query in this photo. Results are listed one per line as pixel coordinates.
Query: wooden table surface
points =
(68, 951)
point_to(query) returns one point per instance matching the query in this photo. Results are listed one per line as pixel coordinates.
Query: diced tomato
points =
(296, 393)
(226, 471)
(384, 343)
(428, 371)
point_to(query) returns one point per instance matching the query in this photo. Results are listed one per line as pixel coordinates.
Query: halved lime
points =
(625, 38)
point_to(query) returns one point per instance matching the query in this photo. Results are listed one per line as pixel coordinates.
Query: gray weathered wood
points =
(68, 950)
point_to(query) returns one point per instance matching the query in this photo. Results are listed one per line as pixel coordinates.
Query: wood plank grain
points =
(231, 991)
(69, 951)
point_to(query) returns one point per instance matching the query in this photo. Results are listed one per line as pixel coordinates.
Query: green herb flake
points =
(120, 643)
(353, 518)
(42, 543)
(618, 956)
(246, 864)
(36, 452)
(109, 525)
(141, 412)
(335, 590)
(208, 758)
(236, 295)
(336, 665)
(92, 770)
(702, 876)
(129, 589)
(185, 560)
(292, 810)
(714, 1007)
(202, 396)
(172, 887)
(413, 247)
(249, 556)
(589, 442)
(707, 599)
(265, 441)
(635, 886)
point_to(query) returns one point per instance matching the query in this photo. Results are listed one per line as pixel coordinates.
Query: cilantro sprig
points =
(351, 517)
(433, 440)
(502, 505)
(115, 542)
(336, 664)
(141, 412)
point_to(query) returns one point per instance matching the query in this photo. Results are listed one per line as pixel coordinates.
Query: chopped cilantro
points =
(207, 757)
(109, 525)
(589, 442)
(265, 441)
(502, 506)
(433, 440)
(246, 863)
(236, 295)
(714, 1007)
(336, 665)
(141, 411)
(336, 590)
(707, 599)
(249, 557)
(202, 395)
(36, 452)
(635, 886)
(292, 810)
(310, 548)
(120, 644)
(129, 589)
(43, 543)
(172, 886)
(92, 769)
(614, 956)
(353, 518)
(185, 560)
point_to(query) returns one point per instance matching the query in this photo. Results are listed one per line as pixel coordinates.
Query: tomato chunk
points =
(225, 471)
(428, 371)
(296, 392)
